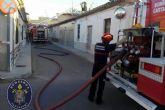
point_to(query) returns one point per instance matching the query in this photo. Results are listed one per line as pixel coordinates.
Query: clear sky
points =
(50, 8)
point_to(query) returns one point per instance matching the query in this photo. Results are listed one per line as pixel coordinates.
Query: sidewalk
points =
(78, 52)
(22, 68)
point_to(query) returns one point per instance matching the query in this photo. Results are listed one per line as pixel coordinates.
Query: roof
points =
(21, 10)
(94, 10)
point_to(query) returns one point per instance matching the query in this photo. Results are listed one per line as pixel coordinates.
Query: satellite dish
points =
(120, 13)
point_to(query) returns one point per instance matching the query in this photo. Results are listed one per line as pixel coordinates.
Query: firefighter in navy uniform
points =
(100, 60)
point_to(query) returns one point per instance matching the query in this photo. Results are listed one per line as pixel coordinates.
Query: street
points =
(76, 71)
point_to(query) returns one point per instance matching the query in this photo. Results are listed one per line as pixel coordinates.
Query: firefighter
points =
(28, 36)
(100, 60)
(31, 36)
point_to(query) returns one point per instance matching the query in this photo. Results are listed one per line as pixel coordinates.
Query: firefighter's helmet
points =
(107, 37)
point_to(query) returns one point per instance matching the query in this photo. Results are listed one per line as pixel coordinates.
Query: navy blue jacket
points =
(101, 52)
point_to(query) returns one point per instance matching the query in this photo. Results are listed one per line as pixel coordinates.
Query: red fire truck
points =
(140, 73)
(39, 33)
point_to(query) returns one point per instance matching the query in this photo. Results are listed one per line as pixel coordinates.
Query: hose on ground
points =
(85, 85)
(59, 69)
(78, 91)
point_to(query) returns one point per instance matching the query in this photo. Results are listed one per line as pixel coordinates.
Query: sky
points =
(50, 8)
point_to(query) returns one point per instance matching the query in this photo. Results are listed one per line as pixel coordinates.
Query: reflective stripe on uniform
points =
(99, 47)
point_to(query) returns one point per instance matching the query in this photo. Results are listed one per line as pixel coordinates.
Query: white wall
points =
(55, 33)
(3, 37)
(97, 21)
(16, 47)
(7, 56)
(64, 33)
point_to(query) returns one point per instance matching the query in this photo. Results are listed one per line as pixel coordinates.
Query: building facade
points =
(91, 25)
(90, 28)
(63, 30)
(12, 36)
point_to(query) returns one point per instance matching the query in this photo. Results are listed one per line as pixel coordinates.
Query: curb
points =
(22, 76)
(25, 72)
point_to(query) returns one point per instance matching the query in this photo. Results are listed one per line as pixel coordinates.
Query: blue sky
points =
(50, 8)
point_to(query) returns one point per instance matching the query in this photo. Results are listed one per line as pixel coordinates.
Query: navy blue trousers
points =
(99, 83)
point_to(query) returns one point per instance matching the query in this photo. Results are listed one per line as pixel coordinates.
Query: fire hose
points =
(78, 91)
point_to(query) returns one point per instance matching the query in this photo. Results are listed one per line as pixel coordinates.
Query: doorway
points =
(89, 38)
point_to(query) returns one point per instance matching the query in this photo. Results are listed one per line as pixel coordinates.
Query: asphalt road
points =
(76, 71)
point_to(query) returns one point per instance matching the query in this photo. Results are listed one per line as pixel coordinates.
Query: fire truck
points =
(140, 72)
(39, 33)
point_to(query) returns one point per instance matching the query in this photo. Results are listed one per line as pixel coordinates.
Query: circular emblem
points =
(8, 6)
(19, 94)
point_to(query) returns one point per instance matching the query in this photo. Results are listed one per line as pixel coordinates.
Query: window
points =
(107, 25)
(78, 31)
(16, 41)
(22, 31)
